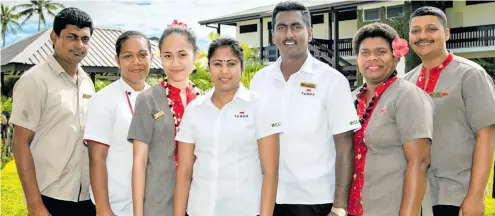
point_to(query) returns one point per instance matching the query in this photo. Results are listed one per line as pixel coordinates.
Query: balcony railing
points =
(345, 48)
(468, 37)
(345, 45)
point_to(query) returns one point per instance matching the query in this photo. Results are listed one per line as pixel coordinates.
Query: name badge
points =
(308, 85)
(86, 96)
(439, 94)
(158, 115)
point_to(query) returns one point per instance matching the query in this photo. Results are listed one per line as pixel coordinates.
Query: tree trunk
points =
(39, 23)
(3, 39)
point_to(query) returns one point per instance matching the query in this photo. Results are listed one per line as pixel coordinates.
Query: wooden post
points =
(261, 40)
(336, 39)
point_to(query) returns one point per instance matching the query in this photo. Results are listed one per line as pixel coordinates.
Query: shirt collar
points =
(127, 88)
(57, 68)
(307, 67)
(241, 93)
(444, 64)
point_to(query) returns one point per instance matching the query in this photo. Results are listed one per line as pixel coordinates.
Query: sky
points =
(149, 17)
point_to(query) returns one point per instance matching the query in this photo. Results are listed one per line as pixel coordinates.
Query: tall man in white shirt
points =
(316, 108)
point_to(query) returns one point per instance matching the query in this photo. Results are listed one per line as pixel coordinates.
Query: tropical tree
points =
(9, 21)
(38, 7)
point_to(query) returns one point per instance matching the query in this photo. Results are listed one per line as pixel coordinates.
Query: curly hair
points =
(371, 31)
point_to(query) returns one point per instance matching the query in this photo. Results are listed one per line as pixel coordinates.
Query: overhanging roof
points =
(266, 11)
(35, 48)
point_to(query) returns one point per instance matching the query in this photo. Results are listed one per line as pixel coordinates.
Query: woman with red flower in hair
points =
(392, 149)
(157, 116)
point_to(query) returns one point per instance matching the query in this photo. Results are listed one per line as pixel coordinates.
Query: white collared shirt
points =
(108, 119)
(314, 104)
(227, 174)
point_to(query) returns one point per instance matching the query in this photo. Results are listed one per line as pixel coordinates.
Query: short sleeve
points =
(27, 102)
(414, 115)
(141, 128)
(185, 132)
(342, 115)
(99, 120)
(267, 119)
(478, 93)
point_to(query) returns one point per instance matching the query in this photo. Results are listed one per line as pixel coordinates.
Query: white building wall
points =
(462, 15)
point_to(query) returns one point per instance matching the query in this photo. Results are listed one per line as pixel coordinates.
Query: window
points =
(395, 11)
(347, 15)
(269, 26)
(248, 28)
(317, 19)
(477, 2)
(372, 14)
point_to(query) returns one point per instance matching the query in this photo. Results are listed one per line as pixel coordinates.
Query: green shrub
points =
(100, 84)
(6, 104)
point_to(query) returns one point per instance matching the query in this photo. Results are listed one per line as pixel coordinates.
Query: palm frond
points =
(26, 12)
(23, 6)
(16, 24)
(54, 5)
(12, 29)
(51, 13)
(27, 18)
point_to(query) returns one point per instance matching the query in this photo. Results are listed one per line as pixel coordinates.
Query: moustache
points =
(422, 41)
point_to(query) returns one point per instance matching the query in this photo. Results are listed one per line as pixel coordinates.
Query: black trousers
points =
(446, 210)
(302, 210)
(63, 208)
(188, 215)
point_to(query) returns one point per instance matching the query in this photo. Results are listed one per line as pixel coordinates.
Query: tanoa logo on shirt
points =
(241, 115)
(276, 124)
(308, 92)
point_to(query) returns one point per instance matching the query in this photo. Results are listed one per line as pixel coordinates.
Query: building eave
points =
(243, 16)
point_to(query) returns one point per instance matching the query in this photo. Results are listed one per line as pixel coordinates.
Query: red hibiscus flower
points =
(177, 23)
(400, 47)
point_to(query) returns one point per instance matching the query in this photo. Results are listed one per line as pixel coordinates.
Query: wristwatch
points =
(339, 211)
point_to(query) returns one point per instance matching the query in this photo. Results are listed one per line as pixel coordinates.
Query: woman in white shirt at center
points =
(223, 138)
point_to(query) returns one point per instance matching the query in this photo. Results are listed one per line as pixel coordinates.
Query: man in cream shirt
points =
(48, 114)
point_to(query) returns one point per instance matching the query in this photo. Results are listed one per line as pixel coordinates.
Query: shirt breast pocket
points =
(243, 131)
(307, 113)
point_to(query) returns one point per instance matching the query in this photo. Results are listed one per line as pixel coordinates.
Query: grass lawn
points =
(12, 203)
(489, 201)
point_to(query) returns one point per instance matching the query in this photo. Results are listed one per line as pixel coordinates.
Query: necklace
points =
(165, 84)
(370, 107)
